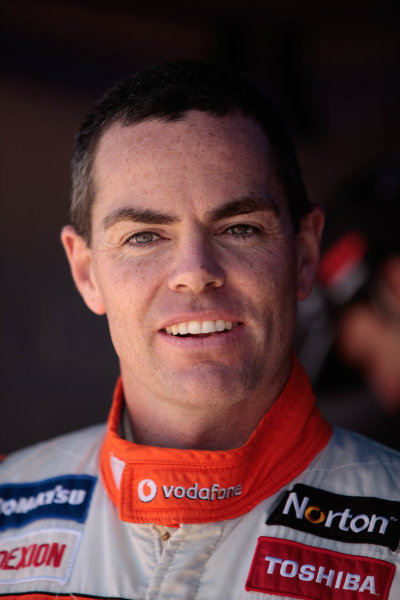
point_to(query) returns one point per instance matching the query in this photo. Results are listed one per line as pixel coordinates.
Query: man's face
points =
(191, 233)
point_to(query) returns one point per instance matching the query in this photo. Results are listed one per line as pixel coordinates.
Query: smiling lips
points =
(200, 327)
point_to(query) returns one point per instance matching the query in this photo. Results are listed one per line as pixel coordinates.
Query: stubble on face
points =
(186, 168)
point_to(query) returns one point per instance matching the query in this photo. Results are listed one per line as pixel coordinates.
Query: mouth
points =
(200, 328)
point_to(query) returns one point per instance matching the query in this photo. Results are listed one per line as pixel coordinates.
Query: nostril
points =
(194, 271)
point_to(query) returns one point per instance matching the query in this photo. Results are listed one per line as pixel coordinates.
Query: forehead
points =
(199, 154)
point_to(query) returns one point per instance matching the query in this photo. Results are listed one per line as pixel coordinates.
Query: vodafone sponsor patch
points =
(287, 568)
(147, 490)
(45, 554)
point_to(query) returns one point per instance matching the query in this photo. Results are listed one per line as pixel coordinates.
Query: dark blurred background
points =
(334, 69)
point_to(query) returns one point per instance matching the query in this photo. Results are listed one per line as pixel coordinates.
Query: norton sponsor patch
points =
(345, 518)
(46, 554)
(287, 568)
(64, 497)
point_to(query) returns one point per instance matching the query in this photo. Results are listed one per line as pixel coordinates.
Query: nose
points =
(195, 267)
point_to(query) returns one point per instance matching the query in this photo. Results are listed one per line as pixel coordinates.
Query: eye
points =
(241, 230)
(143, 238)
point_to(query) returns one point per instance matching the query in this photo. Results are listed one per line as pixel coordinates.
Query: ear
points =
(308, 242)
(79, 256)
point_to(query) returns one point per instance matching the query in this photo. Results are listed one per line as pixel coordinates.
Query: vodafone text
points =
(147, 491)
(34, 555)
(343, 520)
(320, 574)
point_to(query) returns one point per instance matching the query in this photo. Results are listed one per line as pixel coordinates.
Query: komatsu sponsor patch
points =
(64, 497)
(345, 518)
(287, 568)
(46, 554)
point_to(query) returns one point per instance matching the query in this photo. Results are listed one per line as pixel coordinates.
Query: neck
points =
(210, 426)
(140, 479)
(197, 429)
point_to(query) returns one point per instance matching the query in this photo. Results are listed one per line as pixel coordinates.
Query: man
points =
(216, 477)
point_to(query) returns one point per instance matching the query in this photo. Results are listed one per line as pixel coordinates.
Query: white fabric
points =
(197, 562)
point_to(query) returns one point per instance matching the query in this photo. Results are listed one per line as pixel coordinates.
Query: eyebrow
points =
(139, 215)
(240, 206)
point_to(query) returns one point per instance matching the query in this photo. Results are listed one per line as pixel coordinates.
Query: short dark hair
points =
(167, 92)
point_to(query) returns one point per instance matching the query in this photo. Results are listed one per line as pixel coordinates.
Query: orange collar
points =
(167, 486)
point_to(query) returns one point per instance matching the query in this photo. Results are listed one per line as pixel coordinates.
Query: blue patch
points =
(64, 497)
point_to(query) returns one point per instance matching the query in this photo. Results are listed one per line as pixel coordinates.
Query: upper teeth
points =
(196, 327)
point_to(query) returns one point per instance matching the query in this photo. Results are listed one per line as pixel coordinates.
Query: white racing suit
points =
(297, 512)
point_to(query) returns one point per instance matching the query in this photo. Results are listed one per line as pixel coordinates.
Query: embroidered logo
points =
(64, 497)
(344, 518)
(46, 554)
(147, 490)
(291, 569)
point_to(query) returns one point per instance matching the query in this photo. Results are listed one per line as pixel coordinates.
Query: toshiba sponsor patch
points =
(287, 568)
(46, 554)
(346, 518)
(64, 497)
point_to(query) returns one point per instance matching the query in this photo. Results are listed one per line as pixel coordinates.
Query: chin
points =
(210, 385)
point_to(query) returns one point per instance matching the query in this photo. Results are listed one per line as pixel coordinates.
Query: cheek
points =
(125, 296)
(128, 283)
(273, 273)
(267, 283)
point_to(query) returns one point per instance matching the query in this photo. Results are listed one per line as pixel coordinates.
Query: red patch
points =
(287, 568)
